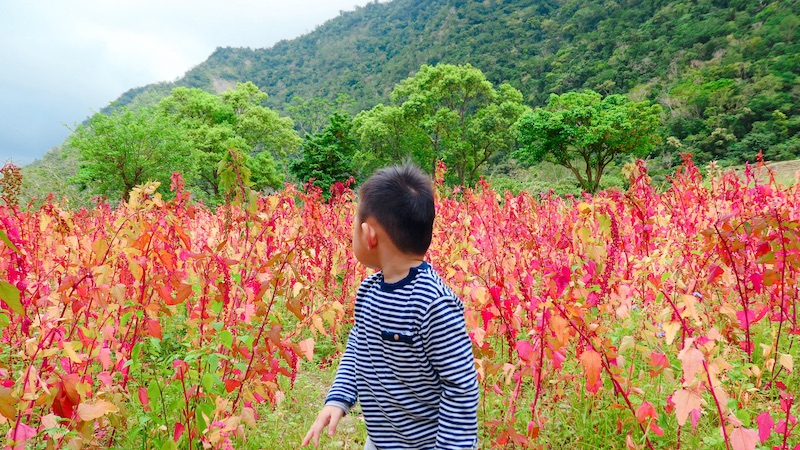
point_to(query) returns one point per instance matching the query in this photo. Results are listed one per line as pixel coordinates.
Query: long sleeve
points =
(449, 350)
(343, 393)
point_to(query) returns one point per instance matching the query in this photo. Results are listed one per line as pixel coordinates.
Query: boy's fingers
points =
(307, 439)
(333, 423)
(313, 433)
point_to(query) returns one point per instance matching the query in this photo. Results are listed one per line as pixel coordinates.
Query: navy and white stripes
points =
(409, 362)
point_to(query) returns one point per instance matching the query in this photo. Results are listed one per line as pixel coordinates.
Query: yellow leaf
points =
(118, 292)
(8, 403)
(480, 295)
(627, 343)
(88, 412)
(249, 417)
(671, 330)
(317, 321)
(70, 351)
(786, 361)
(297, 288)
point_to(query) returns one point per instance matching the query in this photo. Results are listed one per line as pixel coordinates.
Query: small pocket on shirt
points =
(404, 356)
(393, 336)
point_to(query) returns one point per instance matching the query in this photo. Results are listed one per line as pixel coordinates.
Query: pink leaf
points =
(744, 439)
(692, 362)
(20, 434)
(307, 347)
(695, 419)
(105, 378)
(105, 357)
(685, 402)
(765, 425)
(746, 318)
(524, 350)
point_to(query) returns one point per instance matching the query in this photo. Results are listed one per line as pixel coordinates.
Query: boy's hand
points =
(330, 416)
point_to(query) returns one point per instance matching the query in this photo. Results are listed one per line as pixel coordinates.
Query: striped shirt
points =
(409, 362)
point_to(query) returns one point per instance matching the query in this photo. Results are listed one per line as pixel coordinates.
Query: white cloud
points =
(62, 59)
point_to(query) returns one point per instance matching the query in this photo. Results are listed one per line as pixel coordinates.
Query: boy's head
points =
(400, 200)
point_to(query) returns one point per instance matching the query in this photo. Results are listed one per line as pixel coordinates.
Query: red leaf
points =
(646, 411)
(144, 398)
(715, 272)
(154, 328)
(231, 385)
(592, 363)
(67, 397)
(659, 362)
(765, 425)
(656, 429)
(179, 428)
(184, 291)
(757, 280)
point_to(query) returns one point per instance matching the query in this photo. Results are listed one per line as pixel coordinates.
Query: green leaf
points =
(744, 416)
(4, 238)
(208, 383)
(204, 413)
(9, 294)
(247, 340)
(227, 338)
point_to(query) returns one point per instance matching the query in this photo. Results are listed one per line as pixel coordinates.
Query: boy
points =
(408, 357)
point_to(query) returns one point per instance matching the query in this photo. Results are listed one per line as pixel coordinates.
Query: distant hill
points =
(721, 68)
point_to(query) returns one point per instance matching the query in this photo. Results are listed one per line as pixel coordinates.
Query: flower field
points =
(632, 319)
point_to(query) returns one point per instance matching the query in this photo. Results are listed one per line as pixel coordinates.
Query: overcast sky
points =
(63, 60)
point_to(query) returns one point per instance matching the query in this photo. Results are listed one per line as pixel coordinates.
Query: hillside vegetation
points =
(721, 69)
(725, 75)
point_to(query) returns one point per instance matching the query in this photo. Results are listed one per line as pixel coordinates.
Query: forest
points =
(723, 73)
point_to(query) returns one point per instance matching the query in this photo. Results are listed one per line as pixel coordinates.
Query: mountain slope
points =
(726, 71)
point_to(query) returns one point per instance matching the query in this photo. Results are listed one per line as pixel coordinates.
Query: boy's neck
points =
(398, 267)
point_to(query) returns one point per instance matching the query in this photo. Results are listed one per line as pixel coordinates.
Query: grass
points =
(284, 426)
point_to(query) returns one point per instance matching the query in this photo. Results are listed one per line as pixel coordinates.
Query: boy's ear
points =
(370, 235)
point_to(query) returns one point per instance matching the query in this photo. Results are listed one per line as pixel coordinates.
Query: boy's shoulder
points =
(422, 281)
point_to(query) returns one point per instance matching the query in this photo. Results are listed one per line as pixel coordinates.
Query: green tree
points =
(327, 156)
(312, 115)
(384, 138)
(127, 148)
(448, 112)
(585, 132)
(232, 134)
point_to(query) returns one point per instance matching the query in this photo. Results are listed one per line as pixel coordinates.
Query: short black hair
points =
(400, 199)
